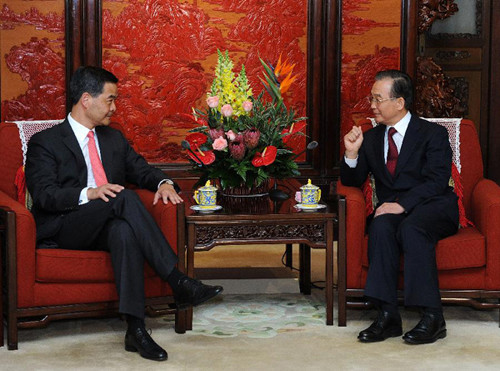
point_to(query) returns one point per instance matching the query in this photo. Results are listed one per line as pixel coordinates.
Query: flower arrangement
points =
(242, 139)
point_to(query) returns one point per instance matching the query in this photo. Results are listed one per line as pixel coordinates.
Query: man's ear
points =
(401, 103)
(86, 100)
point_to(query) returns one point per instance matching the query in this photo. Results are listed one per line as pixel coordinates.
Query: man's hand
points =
(352, 142)
(167, 192)
(389, 208)
(104, 191)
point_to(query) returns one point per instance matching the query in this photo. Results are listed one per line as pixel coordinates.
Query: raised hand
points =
(352, 142)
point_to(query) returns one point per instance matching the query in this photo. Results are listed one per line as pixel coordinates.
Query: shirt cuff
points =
(164, 181)
(83, 196)
(351, 162)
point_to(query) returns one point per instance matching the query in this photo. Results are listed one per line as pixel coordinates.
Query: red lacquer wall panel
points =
(32, 60)
(164, 53)
(370, 43)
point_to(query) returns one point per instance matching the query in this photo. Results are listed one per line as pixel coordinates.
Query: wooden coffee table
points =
(270, 223)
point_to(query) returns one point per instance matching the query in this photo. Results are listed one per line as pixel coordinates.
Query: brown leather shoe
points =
(431, 327)
(385, 326)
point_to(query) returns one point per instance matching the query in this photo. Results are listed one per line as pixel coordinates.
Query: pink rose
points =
(247, 106)
(219, 144)
(213, 101)
(227, 110)
(231, 135)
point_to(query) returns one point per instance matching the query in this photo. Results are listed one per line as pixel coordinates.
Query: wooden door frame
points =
(490, 138)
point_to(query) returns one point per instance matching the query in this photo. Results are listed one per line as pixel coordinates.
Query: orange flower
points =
(287, 82)
(284, 68)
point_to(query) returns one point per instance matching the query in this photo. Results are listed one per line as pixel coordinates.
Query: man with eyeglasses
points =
(410, 159)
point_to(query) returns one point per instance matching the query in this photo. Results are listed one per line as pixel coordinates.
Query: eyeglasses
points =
(378, 101)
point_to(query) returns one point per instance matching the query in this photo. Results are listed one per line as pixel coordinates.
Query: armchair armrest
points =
(355, 208)
(22, 248)
(355, 221)
(485, 204)
(165, 216)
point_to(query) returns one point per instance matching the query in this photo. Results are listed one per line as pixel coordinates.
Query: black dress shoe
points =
(138, 340)
(430, 328)
(193, 292)
(385, 326)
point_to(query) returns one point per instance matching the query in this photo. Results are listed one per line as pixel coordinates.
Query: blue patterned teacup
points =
(206, 196)
(310, 195)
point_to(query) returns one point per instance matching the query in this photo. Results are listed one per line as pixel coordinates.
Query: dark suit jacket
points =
(423, 169)
(56, 171)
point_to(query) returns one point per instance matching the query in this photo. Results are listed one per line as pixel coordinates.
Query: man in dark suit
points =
(410, 159)
(76, 172)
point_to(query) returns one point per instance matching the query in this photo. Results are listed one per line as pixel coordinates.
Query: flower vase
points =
(245, 199)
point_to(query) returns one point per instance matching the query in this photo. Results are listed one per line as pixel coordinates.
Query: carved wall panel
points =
(431, 10)
(454, 66)
(370, 42)
(451, 78)
(164, 53)
(32, 51)
(434, 93)
(467, 22)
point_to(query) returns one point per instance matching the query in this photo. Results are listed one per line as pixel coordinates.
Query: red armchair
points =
(468, 262)
(42, 285)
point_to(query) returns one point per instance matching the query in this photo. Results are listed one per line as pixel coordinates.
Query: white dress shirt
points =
(81, 133)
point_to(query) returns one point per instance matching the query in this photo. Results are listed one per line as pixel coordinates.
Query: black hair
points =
(89, 79)
(402, 87)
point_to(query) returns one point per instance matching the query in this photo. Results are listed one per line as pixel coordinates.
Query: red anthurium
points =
(194, 118)
(196, 140)
(206, 157)
(265, 158)
(295, 128)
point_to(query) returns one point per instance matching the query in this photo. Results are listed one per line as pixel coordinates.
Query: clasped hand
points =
(389, 208)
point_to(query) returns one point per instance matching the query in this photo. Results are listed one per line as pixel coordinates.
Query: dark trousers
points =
(415, 236)
(125, 228)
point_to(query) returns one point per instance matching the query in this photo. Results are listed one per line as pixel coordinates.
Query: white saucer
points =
(205, 210)
(310, 208)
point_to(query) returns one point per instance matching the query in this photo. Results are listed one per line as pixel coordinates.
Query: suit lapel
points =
(379, 151)
(69, 140)
(409, 141)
